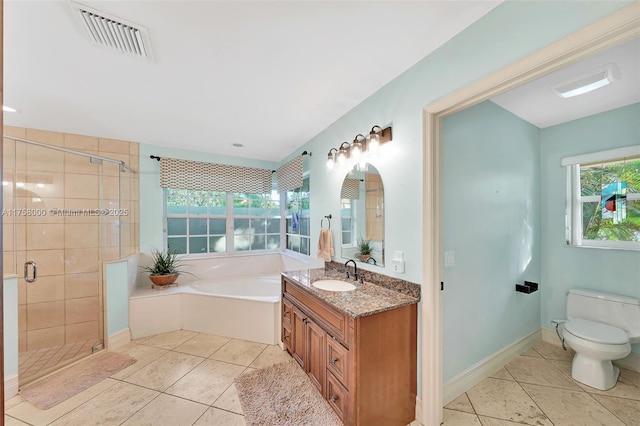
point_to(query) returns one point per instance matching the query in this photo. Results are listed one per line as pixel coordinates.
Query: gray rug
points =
(64, 384)
(283, 395)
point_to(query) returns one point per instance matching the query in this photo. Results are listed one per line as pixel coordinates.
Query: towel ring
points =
(328, 217)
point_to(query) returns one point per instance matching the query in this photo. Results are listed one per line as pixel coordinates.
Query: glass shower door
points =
(57, 201)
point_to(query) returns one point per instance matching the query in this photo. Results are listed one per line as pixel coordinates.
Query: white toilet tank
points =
(607, 308)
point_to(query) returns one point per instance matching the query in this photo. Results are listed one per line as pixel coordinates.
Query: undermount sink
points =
(333, 285)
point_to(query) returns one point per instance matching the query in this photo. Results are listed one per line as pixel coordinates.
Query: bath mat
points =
(282, 395)
(60, 386)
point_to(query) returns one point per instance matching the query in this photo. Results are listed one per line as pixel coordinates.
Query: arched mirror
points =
(362, 216)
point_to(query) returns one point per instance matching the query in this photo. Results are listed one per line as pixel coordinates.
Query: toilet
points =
(601, 328)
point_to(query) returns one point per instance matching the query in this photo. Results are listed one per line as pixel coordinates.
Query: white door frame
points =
(617, 28)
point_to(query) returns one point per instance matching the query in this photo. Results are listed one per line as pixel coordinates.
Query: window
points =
(298, 229)
(199, 222)
(603, 199)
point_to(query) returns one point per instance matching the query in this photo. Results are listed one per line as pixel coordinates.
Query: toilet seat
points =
(596, 332)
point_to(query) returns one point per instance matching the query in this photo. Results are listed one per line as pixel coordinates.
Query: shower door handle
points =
(26, 271)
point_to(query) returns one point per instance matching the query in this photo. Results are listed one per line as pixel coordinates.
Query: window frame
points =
(574, 199)
(286, 213)
(230, 218)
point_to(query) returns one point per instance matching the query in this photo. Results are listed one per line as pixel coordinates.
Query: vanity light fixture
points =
(331, 161)
(586, 83)
(359, 150)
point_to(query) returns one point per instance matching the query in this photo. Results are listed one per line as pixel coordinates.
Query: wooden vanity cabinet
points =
(364, 367)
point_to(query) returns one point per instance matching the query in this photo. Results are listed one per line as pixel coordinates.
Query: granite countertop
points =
(366, 299)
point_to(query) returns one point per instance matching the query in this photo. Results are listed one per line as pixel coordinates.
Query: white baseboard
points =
(118, 339)
(483, 369)
(418, 410)
(631, 362)
(10, 386)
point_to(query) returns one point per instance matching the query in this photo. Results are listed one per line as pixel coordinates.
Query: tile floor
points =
(536, 388)
(180, 378)
(186, 378)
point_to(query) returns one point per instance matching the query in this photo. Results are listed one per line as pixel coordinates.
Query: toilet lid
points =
(596, 332)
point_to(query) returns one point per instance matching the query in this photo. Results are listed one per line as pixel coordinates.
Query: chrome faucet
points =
(355, 269)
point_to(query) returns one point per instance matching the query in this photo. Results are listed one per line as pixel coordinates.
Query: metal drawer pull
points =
(333, 398)
(333, 361)
(26, 271)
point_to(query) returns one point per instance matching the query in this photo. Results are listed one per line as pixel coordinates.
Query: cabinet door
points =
(316, 366)
(299, 337)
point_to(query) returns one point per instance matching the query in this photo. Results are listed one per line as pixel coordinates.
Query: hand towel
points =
(325, 245)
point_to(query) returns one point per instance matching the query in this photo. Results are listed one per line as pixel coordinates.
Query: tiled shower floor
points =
(34, 364)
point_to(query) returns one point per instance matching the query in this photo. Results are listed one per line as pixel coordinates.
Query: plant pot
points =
(363, 257)
(162, 280)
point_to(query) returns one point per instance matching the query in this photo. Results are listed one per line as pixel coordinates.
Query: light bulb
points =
(330, 163)
(373, 145)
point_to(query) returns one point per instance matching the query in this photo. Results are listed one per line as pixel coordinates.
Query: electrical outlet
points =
(449, 258)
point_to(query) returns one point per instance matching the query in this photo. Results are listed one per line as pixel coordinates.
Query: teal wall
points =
(563, 267)
(151, 201)
(117, 291)
(491, 219)
(509, 32)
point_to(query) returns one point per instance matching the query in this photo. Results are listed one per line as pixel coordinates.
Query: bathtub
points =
(259, 288)
(220, 303)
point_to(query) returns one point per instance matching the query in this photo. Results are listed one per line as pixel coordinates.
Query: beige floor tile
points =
(206, 382)
(271, 355)
(167, 410)
(458, 418)
(531, 352)
(550, 351)
(502, 374)
(32, 415)
(10, 421)
(170, 340)
(539, 371)
(229, 400)
(215, 416)
(490, 421)
(12, 402)
(240, 352)
(461, 403)
(506, 400)
(164, 371)
(203, 345)
(569, 408)
(144, 356)
(111, 407)
(627, 410)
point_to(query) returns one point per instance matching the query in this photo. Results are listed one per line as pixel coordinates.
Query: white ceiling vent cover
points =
(114, 33)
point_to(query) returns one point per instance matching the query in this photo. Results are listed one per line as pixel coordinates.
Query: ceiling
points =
(268, 75)
(538, 103)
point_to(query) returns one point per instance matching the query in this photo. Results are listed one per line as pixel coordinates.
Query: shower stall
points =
(65, 212)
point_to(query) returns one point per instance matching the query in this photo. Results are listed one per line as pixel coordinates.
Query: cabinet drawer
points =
(336, 321)
(337, 396)
(337, 360)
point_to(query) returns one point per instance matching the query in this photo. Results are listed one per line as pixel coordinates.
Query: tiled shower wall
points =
(64, 305)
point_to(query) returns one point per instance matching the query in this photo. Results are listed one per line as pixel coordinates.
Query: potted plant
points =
(164, 268)
(364, 249)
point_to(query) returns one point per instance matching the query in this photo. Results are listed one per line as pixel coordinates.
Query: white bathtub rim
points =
(189, 289)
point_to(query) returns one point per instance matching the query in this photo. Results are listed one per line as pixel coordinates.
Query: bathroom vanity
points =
(358, 347)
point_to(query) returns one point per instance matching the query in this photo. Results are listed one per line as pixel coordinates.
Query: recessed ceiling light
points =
(587, 82)
(8, 109)
(237, 145)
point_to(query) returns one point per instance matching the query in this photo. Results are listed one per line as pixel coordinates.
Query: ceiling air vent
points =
(114, 33)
